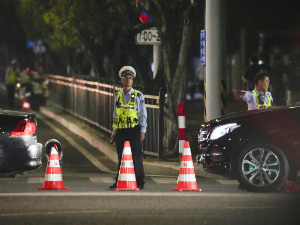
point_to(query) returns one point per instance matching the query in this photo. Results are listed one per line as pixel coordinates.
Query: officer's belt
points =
(122, 107)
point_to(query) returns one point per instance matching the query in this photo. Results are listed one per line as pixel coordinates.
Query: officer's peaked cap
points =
(127, 70)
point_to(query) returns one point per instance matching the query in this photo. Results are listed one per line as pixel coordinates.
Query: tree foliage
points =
(99, 31)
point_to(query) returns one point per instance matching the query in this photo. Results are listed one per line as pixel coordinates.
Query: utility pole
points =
(215, 57)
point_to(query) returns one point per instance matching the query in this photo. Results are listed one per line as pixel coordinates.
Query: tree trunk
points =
(176, 68)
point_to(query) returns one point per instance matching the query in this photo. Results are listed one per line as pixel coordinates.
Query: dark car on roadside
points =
(19, 150)
(259, 148)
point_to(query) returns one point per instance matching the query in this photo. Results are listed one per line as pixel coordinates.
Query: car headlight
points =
(221, 130)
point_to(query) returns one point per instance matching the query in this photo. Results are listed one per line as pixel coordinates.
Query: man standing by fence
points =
(130, 123)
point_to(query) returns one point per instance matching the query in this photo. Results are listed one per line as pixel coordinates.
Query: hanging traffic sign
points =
(145, 16)
(148, 37)
(29, 44)
(39, 49)
(37, 46)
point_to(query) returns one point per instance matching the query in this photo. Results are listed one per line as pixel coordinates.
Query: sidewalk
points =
(101, 142)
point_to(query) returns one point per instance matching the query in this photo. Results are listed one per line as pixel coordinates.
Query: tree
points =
(102, 30)
(176, 21)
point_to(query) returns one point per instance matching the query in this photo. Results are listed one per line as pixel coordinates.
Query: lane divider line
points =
(106, 180)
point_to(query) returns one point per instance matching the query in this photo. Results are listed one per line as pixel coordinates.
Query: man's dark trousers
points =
(131, 135)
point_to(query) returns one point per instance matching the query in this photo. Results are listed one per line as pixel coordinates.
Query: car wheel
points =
(262, 168)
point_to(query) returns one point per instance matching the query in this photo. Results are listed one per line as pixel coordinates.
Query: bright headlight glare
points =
(220, 131)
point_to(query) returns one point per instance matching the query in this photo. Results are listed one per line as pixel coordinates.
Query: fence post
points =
(161, 124)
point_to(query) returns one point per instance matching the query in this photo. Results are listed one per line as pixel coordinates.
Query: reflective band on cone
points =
(186, 179)
(126, 178)
(53, 176)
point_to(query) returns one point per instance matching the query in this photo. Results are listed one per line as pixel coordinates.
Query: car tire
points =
(262, 168)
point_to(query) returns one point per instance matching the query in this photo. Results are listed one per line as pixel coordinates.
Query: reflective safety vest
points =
(127, 115)
(264, 105)
(12, 77)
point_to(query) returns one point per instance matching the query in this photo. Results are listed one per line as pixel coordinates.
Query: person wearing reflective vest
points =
(260, 97)
(129, 123)
(11, 79)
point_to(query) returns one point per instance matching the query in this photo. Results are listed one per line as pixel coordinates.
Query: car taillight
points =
(24, 128)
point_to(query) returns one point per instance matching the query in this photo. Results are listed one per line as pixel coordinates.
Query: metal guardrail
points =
(92, 101)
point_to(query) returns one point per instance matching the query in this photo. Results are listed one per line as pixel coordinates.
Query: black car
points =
(19, 150)
(260, 148)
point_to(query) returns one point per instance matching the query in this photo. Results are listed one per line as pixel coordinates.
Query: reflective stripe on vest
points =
(260, 106)
(127, 115)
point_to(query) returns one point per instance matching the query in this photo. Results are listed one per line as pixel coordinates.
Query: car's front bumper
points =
(211, 156)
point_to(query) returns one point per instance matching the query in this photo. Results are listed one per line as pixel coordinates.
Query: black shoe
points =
(113, 186)
(140, 186)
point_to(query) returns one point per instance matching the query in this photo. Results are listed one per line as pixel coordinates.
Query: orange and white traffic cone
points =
(292, 187)
(25, 105)
(126, 179)
(53, 176)
(186, 179)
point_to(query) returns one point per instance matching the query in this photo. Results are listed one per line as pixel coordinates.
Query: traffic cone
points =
(186, 179)
(126, 179)
(292, 187)
(25, 105)
(53, 176)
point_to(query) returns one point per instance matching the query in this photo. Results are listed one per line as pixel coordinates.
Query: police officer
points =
(11, 76)
(260, 97)
(130, 124)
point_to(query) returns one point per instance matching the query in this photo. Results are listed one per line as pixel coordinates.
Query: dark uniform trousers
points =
(131, 135)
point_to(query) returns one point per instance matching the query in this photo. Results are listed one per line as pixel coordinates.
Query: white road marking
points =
(164, 180)
(36, 180)
(249, 207)
(106, 180)
(53, 213)
(234, 182)
(88, 155)
(141, 193)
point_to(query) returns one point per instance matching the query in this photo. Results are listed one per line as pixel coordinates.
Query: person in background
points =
(11, 79)
(259, 98)
(130, 123)
(250, 73)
